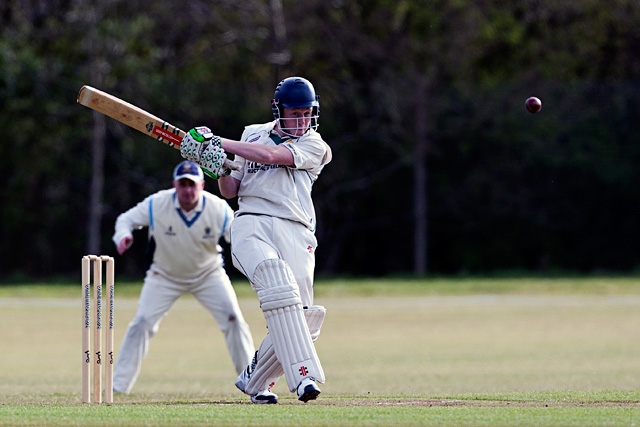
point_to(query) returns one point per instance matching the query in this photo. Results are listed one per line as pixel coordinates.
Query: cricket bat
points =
(134, 117)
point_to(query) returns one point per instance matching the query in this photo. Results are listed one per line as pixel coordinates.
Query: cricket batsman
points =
(273, 239)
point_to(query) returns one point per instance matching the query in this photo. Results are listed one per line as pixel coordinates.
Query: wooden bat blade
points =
(135, 117)
(130, 115)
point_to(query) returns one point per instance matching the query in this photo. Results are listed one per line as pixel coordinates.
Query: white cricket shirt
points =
(187, 246)
(278, 190)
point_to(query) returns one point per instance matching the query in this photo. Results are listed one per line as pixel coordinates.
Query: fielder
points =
(185, 226)
(272, 237)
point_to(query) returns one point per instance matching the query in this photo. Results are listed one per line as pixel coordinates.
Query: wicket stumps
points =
(97, 262)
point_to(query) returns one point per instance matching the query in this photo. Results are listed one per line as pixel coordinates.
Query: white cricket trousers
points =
(158, 295)
(255, 238)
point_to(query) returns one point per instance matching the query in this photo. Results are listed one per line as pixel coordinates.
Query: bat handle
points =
(231, 165)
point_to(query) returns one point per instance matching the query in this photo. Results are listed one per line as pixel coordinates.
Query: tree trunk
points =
(98, 136)
(280, 55)
(420, 193)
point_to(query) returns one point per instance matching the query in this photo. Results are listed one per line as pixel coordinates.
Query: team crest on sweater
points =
(207, 233)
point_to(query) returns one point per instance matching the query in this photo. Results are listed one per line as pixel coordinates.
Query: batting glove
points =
(203, 147)
(194, 142)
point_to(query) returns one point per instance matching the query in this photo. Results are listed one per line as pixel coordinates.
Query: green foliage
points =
(402, 87)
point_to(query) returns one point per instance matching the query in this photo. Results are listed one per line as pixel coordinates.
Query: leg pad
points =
(279, 298)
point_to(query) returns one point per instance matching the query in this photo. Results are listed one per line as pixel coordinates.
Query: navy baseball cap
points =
(189, 170)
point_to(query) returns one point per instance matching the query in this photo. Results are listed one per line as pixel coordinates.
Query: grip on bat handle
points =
(231, 165)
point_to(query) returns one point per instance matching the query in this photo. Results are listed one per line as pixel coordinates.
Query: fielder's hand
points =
(203, 147)
(124, 244)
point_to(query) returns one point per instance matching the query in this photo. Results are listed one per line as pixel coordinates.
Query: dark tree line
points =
(437, 166)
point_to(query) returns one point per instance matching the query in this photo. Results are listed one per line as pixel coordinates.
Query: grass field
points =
(435, 352)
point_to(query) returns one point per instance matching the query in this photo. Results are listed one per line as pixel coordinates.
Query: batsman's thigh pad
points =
(315, 317)
(279, 298)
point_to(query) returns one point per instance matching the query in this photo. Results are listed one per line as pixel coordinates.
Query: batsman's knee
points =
(275, 285)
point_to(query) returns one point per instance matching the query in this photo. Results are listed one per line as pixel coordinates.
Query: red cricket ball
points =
(533, 104)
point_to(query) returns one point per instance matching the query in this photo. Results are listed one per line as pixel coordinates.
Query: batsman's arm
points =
(228, 186)
(267, 155)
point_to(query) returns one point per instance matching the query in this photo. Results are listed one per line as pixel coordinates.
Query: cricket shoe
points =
(307, 389)
(265, 396)
(243, 378)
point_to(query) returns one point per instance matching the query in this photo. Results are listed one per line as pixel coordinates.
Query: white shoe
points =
(307, 389)
(264, 396)
(243, 378)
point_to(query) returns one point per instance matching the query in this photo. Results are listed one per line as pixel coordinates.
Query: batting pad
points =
(279, 298)
(268, 370)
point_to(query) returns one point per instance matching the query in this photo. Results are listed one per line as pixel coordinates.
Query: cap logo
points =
(187, 169)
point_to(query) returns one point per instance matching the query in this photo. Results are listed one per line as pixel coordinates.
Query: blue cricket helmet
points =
(296, 92)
